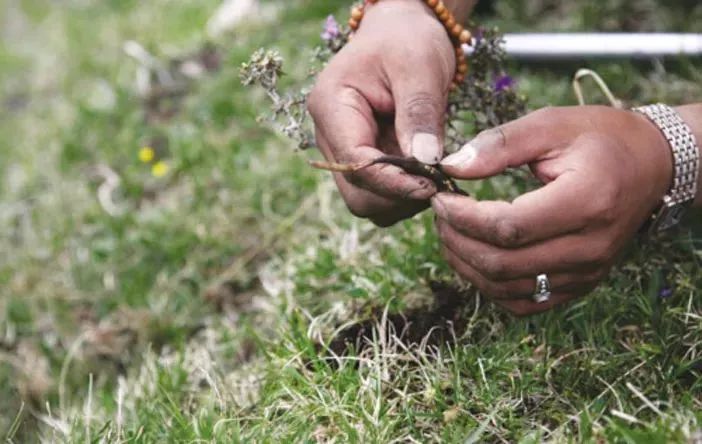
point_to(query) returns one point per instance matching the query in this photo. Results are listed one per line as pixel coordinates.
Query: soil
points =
(441, 323)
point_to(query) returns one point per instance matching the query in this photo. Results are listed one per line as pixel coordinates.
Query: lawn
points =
(195, 296)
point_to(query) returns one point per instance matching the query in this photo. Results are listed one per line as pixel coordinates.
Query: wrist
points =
(685, 171)
(409, 24)
(410, 20)
(692, 115)
(396, 9)
(460, 9)
(660, 157)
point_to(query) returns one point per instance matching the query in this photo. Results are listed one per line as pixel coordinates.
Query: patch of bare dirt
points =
(441, 323)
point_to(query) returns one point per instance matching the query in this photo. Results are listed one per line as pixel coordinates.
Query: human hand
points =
(605, 171)
(385, 92)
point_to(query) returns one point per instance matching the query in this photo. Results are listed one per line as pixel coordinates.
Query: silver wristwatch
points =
(686, 159)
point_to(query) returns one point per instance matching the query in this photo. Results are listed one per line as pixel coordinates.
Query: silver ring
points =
(543, 289)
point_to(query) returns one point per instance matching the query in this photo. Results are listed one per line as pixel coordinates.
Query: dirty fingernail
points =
(461, 157)
(426, 148)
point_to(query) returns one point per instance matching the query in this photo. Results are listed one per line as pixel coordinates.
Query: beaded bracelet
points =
(458, 34)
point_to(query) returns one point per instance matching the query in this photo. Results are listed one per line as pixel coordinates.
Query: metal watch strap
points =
(686, 159)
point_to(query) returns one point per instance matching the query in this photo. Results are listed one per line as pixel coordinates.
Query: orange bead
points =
(450, 23)
(456, 30)
(459, 51)
(460, 58)
(357, 13)
(353, 24)
(439, 8)
(462, 68)
(459, 78)
(465, 36)
(432, 3)
(444, 15)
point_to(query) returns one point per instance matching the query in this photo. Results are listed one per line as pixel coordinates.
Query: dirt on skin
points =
(436, 325)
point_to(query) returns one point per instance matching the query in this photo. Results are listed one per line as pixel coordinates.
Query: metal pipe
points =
(548, 46)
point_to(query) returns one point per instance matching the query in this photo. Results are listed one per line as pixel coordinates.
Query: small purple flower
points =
(503, 82)
(479, 35)
(665, 292)
(331, 29)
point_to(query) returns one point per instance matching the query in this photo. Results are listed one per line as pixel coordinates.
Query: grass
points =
(118, 328)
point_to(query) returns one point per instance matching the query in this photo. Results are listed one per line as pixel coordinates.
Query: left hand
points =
(605, 170)
(389, 98)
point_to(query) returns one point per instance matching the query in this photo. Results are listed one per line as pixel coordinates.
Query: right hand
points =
(604, 171)
(385, 92)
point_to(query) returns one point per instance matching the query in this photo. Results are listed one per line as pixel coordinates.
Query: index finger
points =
(552, 210)
(345, 120)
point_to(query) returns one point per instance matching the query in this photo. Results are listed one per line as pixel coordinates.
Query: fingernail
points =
(426, 148)
(461, 157)
(439, 207)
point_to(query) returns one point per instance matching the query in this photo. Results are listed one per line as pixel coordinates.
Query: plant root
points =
(410, 165)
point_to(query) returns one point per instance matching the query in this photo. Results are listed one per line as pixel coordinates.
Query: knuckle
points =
(329, 92)
(350, 97)
(608, 215)
(491, 265)
(496, 136)
(419, 104)
(605, 207)
(507, 233)
(373, 174)
(420, 100)
(375, 178)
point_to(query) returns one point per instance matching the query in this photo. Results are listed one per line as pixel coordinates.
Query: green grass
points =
(108, 331)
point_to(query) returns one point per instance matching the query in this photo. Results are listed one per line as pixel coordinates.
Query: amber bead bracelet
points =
(458, 34)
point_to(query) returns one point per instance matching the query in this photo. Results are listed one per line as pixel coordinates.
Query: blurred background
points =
(168, 263)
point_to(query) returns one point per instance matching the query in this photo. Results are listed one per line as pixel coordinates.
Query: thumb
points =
(517, 143)
(420, 107)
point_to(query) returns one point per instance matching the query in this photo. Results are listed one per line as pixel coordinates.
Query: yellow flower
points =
(146, 154)
(159, 169)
